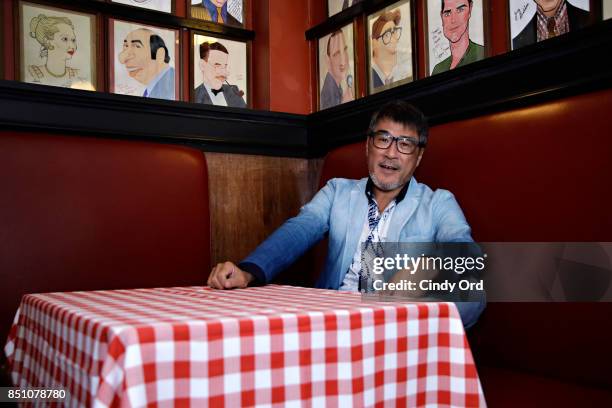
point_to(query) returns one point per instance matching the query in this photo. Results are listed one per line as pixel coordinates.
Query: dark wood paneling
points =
(215, 128)
(250, 196)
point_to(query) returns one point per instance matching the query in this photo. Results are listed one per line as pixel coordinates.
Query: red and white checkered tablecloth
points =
(262, 346)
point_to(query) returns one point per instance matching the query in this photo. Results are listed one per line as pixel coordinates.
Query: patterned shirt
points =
(549, 27)
(374, 231)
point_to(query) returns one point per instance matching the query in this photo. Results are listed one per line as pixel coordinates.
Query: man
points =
(552, 18)
(455, 16)
(146, 59)
(388, 206)
(385, 36)
(214, 10)
(214, 89)
(338, 84)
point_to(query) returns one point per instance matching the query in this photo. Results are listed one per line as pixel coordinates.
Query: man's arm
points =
(281, 248)
(453, 227)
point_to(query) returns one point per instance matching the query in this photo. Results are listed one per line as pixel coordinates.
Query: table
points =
(257, 346)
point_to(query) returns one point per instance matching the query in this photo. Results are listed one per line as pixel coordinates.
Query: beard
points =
(385, 186)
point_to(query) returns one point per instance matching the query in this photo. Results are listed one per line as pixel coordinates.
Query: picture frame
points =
(522, 20)
(441, 37)
(163, 6)
(232, 11)
(221, 65)
(336, 6)
(607, 9)
(336, 67)
(132, 68)
(391, 57)
(56, 46)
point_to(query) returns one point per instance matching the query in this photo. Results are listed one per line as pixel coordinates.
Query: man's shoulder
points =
(201, 95)
(426, 194)
(345, 184)
(341, 181)
(232, 96)
(442, 66)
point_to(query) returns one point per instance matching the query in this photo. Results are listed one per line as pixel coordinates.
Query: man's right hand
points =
(227, 275)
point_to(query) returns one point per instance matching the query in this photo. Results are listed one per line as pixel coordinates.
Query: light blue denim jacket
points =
(340, 208)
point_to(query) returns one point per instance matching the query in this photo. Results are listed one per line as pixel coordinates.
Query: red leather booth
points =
(80, 213)
(539, 173)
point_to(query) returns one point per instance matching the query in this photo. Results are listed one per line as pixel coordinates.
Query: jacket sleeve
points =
(294, 237)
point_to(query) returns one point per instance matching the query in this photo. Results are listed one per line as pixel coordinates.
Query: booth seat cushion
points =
(80, 213)
(505, 388)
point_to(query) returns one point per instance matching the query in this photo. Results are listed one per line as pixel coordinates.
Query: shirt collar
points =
(370, 194)
(382, 76)
(559, 14)
(212, 9)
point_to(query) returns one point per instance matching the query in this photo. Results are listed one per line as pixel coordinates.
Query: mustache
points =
(389, 163)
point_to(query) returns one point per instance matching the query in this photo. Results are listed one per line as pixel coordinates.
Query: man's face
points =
(215, 70)
(456, 19)
(136, 56)
(218, 3)
(382, 50)
(389, 169)
(337, 61)
(548, 6)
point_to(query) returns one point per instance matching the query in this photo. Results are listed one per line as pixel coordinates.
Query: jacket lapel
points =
(403, 211)
(357, 214)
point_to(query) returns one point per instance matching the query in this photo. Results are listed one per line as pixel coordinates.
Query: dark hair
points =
(206, 47)
(335, 33)
(156, 42)
(405, 114)
(469, 2)
(383, 19)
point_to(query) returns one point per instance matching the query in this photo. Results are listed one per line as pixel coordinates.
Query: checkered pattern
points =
(256, 346)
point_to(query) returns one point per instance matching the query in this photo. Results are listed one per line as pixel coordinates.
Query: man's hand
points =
(228, 276)
(347, 94)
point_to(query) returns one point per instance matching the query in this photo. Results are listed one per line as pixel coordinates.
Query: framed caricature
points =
(229, 12)
(57, 47)
(533, 21)
(337, 67)
(164, 6)
(455, 33)
(390, 47)
(336, 6)
(144, 60)
(219, 72)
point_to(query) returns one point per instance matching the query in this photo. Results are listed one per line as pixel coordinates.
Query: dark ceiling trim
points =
(571, 64)
(34, 107)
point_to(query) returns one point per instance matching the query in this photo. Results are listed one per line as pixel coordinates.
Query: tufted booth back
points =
(539, 173)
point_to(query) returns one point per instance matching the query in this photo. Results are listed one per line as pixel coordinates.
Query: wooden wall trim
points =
(575, 63)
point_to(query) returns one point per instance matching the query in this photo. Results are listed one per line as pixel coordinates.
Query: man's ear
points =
(422, 150)
(201, 63)
(160, 54)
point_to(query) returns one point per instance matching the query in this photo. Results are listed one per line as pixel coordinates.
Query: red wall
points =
(282, 69)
